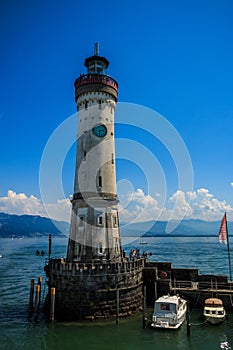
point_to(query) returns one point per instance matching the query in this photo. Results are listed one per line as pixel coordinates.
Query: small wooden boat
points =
(214, 311)
(169, 312)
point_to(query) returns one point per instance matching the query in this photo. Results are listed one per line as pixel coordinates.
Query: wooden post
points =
(50, 247)
(144, 308)
(188, 320)
(40, 280)
(156, 292)
(117, 305)
(37, 305)
(30, 309)
(40, 284)
(52, 304)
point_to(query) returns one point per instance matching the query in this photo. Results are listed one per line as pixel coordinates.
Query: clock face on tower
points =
(100, 130)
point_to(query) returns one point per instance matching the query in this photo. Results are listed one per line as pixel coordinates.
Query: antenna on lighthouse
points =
(96, 49)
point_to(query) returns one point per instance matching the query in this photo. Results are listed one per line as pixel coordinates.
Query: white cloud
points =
(19, 203)
(140, 207)
(199, 204)
(231, 184)
(134, 206)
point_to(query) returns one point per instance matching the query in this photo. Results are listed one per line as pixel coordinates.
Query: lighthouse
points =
(95, 280)
(94, 230)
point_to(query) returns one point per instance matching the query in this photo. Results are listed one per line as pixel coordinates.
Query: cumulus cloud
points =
(199, 204)
(135, 206)
(140, 207)
(20, 203)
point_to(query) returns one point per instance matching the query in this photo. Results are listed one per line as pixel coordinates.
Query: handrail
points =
(96, 79)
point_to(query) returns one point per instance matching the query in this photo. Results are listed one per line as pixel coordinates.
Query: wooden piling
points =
(156, 292)
(50, 247)
(40, 284)
(188, 320)
(37, 304)
(52, 304)
(39, 280)
(30, 309)
(117, 305)
(144, 308)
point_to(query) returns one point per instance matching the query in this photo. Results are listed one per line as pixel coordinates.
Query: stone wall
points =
(89, 291)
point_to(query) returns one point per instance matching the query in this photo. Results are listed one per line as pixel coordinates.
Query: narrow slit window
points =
(84, 155)
(100, 220)
(81, 221)
(100, 104)
(86, 104)
(112, 158)
(100, 181)
(101, 247)
(114, 220)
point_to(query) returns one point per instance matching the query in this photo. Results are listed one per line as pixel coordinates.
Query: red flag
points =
(222, 235)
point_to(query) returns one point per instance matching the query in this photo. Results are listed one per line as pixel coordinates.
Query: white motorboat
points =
(214, 311)
(169, 312)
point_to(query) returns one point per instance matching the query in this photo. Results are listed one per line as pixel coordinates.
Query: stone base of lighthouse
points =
(88, 291)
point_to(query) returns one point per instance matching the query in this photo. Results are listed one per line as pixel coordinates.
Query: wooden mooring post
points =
(52, 304)
(30, 309)
(144, 308)
(50, 247)
(37, 304)
(188, 320)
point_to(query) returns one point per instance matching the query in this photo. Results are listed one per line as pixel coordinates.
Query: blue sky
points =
(174, 57)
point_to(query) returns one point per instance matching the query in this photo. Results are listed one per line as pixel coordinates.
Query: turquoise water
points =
(20, 264)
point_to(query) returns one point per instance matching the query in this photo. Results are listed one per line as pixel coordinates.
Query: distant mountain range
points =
(184, 228)
(30, 226)
(37, 226)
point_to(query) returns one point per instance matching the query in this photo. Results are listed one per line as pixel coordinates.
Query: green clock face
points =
(100, 130)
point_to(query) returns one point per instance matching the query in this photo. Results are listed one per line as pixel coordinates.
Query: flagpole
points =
(228, 250)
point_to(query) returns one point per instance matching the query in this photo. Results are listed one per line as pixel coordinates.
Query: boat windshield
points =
(165, 307)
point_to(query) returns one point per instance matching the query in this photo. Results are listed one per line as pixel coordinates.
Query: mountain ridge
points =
(12, 225)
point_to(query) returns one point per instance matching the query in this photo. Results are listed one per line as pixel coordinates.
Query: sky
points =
(171, 58)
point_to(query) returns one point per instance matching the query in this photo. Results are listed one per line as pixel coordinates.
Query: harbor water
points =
(19, 264)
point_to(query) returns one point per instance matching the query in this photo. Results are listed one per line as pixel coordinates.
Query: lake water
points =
(19, 264)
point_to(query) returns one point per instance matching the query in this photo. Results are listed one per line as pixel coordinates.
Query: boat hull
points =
(165, 324)
(215, 320)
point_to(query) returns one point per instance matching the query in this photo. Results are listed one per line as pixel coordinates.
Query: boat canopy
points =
(213, 302)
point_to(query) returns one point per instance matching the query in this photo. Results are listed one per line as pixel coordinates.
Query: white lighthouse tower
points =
(95, 280)
(94, 230)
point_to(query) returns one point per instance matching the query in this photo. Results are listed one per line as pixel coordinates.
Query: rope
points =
(199, 324)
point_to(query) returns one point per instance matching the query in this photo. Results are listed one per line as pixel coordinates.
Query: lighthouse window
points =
(100, 181)
(100, 220)
(100, 247)
(112, 158)
(86, 104)
(84, 155)
(81, 221)
(114, 221)
(100, 104)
